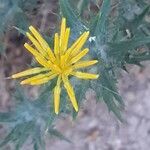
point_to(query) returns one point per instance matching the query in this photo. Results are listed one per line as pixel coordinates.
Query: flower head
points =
(62, 62)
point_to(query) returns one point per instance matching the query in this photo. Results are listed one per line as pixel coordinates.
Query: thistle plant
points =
(63, 63)
(95, 48)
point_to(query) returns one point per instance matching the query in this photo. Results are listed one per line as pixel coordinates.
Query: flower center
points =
(64, 66)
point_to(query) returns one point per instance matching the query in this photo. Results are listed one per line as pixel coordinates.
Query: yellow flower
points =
(62, 62)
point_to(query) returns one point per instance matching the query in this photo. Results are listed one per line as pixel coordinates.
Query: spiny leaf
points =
(108, 99)
(72, 18)
(19, 95)
(9, 137)
(140, 18)
(13, 135)
(7, 117)
(82, 5)
(20, 30)
(24, 134)
(38, 138)
(135, 25)
(109, 84)
(141, 2)
(82, 86)
(137, 58)
(106, 90)
(120, 49)
(54, 132)
(36, 147)
(99, 27)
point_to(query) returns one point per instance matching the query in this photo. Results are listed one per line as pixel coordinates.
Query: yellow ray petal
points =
(43, 43)
(37, 45)
(41, 59)
(62, 33)
(43, 62)
(79, 56)
(51, 55)
(29, 72)
(83, 75)
(38, 36)
(62, 61)
(82, 36)
(43, 80)
(57, 91)
(37, 55)
(65, 40)
(74, 45)
(32, 50)
(80, 44)
(36, 77)
(83, 64)
(70, 92)
(67, 71)
(54, 67)
(56, 46)
(48, 64)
